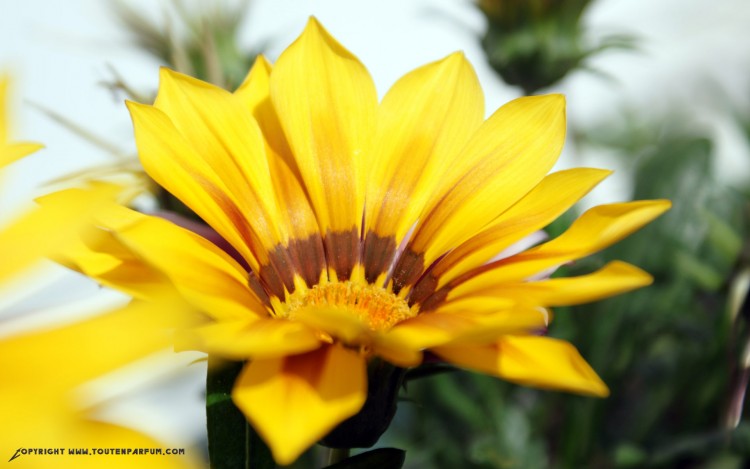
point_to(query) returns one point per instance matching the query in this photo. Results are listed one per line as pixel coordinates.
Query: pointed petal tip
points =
(665, 204)
(633, 273)
(262, 61)
(165, 73)
(134, 107)
(167, 76)
(549, 104)
(556, 100)
(456, 59)
(314, 26)
(655, 207)
(599, 389)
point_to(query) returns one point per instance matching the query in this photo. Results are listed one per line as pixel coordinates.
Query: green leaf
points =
(232, 442)
(381, 458)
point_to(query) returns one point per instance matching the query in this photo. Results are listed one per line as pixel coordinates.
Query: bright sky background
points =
(694, 55)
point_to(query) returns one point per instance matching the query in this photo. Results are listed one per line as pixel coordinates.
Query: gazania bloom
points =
(363, 232)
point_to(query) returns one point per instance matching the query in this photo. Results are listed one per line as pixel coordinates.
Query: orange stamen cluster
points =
(376, 307)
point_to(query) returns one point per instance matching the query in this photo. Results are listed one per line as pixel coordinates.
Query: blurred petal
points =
(10, 152)
(44, 230)
(16, 151)
(61, 358)
(255, 339)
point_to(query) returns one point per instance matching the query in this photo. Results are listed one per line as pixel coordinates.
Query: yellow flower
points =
(365, 230)
(43, 370)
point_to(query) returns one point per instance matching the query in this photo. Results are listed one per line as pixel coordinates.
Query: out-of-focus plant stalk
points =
(201, 40)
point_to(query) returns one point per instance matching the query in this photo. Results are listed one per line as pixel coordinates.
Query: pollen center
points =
(373, 305)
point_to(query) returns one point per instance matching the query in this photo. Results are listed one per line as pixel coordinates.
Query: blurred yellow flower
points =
(41, 407)
(362, 230)
(42, 370)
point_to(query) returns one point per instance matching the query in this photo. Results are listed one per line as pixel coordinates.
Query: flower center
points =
(376, 307)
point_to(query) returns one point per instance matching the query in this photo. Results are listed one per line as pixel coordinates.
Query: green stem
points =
(232, 442)
(225, 423)
(337, 455)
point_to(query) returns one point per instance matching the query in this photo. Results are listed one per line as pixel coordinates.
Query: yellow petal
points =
(82, 351)
(254, 90)
(222, 131)
(434, 328)
(336, 322)
(305, 246)
(326, 103)
(97, 253)
(205, 275)
(596, 229)
(509, 154)
(342, 325)
(395, 350)
(612, 279)
(554, 195)
(175, 166)
(255, 339)
(293, 402)
(423, 123)
(15, 151)
(42, 231)
(10, 152)
(531, 361)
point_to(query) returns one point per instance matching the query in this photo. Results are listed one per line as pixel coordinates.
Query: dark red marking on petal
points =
(257, 288)
(424, 287)
(378, 255)
(342, 252)
(308, 257)
(277, 274)
(302, 256)
(409, 268)
(434, 300)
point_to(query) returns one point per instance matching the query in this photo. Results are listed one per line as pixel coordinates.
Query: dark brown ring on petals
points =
(378, 255)
(342, 252)
(409, 268)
